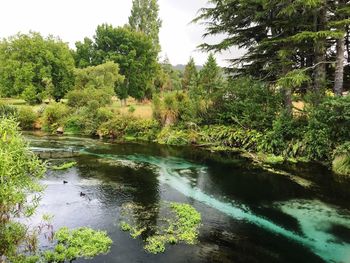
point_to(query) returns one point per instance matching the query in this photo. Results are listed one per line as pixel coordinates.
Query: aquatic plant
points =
(64, 166)
(79, 243)
(181, 224)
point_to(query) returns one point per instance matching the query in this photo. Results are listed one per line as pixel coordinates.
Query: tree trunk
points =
(320, 53)
(339, 70)
(347, 42)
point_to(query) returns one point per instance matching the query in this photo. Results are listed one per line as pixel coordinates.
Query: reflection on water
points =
(248, 215)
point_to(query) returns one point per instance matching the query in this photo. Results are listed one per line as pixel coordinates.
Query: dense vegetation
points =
(20, 172)
(251, 109)
(286, 96)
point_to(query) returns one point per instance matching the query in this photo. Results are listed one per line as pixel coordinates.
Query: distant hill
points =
(181, 67)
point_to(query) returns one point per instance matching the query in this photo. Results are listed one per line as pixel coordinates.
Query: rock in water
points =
(60, 130)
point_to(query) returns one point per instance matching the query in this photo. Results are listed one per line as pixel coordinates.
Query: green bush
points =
(121, 126)
(7, 110)
(172, 136)
(79, 98)
(246, 102)
(26, 117)
(341, 159)
(54, 116)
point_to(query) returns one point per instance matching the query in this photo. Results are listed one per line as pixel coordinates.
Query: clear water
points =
(249, 215)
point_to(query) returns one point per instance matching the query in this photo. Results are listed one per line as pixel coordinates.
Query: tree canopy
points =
(132, 51)
(145, 18)
(35, 67)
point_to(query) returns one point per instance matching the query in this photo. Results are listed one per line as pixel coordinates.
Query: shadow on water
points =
(248, 215)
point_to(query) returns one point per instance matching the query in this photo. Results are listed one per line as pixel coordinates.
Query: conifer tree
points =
(190, 77)
(210, 76)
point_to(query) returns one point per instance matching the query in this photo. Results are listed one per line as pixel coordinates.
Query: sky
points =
(72, 20)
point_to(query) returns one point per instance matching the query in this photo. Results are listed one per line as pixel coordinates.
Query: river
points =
(248, 214)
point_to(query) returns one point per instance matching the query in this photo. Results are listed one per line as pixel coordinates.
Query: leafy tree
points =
(135, 55)
(145, 18)
(96, 83)
(190, 77)
(29, 62)
(84, 53)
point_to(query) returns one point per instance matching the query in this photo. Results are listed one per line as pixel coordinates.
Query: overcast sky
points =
(72, 20)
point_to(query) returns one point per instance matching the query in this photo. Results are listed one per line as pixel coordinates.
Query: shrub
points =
(232, 137)
(246, 102)
(341, 161)
(131, 109)
(7, 110)
(26, 117)
(54, 116)
(172, 136)
(79, 98)
(121, 126)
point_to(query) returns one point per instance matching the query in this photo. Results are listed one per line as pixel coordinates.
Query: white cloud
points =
(72, 20)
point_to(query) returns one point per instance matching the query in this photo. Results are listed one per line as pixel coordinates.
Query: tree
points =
(133, 52)
(168, 78)
(190, 77)
(145, 18)
(210, 76)
(29, 62)
(84, 53)
(95, 83)
(341, 23)
(280, 36)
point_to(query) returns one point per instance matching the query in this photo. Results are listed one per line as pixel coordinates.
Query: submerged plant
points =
(181, 224)
(64, 166)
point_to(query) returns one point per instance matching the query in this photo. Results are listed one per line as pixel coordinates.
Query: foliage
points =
(7, 111)
(87, 119)
(190, 77)
(79, 243)
(210, 77)
(145, 18)
(246, 102)
(54, 116)
(172, 136)
(180, 225)
(64, 166)
(26, 117)
(132, 51)
(20, 171)
(341, 161)
(95, 84)
(122, 126)
(30, 62)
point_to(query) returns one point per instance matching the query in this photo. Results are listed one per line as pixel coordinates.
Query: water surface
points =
(249, 215)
